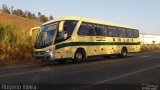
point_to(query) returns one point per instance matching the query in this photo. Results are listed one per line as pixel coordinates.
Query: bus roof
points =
(88, 20)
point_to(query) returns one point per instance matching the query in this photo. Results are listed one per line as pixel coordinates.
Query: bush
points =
(7, 34)
(14, 46)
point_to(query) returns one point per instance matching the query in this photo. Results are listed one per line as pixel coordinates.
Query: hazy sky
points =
(142, 14)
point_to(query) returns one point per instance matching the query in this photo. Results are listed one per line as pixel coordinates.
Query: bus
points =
(77, 38)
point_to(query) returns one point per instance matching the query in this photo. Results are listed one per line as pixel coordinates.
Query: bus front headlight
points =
(49, 50)
(51, 54)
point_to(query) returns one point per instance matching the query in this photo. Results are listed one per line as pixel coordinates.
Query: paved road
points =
(136, 69)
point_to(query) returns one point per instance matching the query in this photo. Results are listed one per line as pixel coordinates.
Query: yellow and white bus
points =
(77, 38)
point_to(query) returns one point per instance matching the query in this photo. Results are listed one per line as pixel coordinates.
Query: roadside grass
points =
(14, 48)
(150, 48)
(15, 43)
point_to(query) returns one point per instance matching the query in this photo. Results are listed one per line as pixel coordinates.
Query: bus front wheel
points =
(79, 56)
(61, 61)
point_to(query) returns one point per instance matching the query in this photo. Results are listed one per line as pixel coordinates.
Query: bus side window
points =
(110, 32)
(83, 29)
(129, 33)
(136, 33)
(101, 30)
(91, 30)
(69, 27)
(122, 32)
(113, 31)
(67, 30)
(86, 29)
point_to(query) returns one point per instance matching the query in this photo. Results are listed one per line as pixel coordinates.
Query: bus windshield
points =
(46, 36)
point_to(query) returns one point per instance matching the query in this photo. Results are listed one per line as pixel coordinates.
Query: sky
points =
(141, 14)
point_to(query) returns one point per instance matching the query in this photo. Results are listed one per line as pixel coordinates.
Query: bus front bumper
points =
(45, 55)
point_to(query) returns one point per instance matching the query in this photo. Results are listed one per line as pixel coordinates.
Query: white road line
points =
(117, 77)
(124, 75)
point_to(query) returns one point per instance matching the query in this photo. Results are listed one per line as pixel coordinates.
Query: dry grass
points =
(23, 25)
(150, 48)
(15, 44)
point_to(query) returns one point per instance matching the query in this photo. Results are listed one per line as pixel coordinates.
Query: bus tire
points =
(123, 53)
(107, 56)
(61, 61)
(79, 56)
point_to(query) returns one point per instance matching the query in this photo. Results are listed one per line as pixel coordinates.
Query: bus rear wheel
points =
(124, 53)
(79, 56)
(107, 56)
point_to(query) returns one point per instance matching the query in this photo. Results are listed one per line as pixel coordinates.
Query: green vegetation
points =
(7, 33)
(13, 46)
(15, 43)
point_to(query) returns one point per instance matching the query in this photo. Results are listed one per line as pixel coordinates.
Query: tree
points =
(11, 10)
(19, 12)
(50, 17)
(29, 15)
(33, 16)
(47, 19)
(5, 9)
(39, 14)
(14, 12)
(25, 14)
(43, 18)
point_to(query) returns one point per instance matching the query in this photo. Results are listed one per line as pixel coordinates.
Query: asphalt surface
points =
(134, 71)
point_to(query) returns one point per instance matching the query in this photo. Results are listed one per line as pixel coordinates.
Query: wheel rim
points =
(79, 56)
(124, 53)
